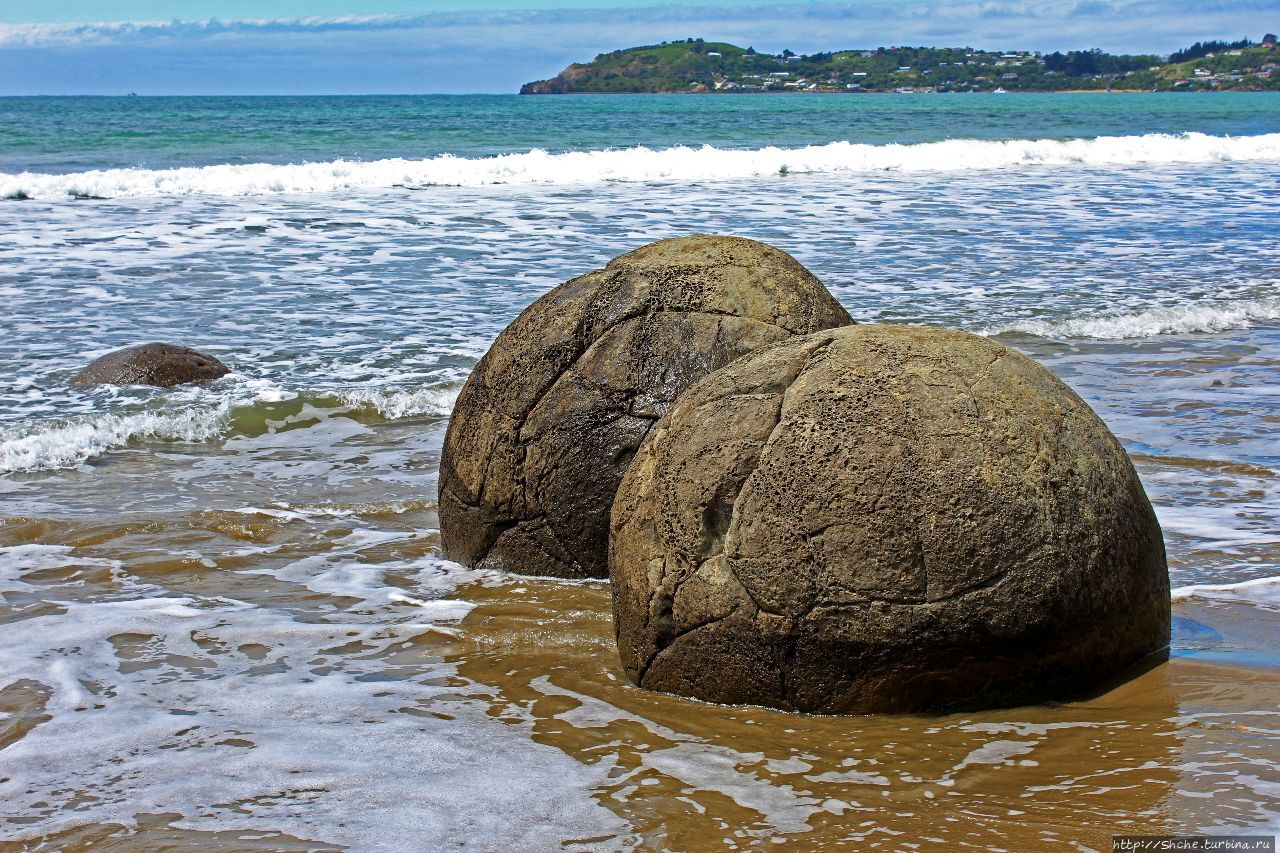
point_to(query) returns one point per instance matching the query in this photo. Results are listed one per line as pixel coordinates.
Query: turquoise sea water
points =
(65, 134)
(190, 568)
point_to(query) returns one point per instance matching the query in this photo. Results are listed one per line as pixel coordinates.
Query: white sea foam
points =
(679, 164)
(1165, 320)
(699, 764)
(1221, 526)
(70, 443)
(1263, 591)
(405, 403)
(17, 561)
(327, 745)
(307, 720)
(340, 575)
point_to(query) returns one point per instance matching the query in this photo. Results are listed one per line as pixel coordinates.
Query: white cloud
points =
(972, 21)
(496, 51)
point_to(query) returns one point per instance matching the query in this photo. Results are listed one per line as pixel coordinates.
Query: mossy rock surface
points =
(551, 416)
(884, 519)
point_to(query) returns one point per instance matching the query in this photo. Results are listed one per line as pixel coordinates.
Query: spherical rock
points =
(884, 519)
(162, 365)
(551, 416)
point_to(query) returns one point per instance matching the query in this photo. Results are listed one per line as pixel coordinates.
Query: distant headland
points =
(699, 66)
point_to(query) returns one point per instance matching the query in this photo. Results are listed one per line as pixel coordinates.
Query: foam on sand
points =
(1260, 591)
(19, 560)
(679, 164)
(325, 743)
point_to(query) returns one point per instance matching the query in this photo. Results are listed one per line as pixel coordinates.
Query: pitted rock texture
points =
(551, 416)
(162, 365)
(884, 519)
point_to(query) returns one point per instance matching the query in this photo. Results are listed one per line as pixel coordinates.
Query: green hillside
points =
(695, 65)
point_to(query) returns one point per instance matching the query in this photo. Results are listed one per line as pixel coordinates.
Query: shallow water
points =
(225, 614)
(323, 705)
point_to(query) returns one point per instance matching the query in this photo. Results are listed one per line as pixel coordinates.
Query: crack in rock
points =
(928, 543)
(635, 333)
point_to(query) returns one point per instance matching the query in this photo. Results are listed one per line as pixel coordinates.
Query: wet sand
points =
(1187, 745)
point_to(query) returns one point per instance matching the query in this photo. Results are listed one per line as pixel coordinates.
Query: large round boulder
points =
(884, 519)
(162, 365)
(551, 416)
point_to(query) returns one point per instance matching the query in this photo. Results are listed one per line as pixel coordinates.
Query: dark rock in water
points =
(162, 365)
(551, 416)
(884, 519)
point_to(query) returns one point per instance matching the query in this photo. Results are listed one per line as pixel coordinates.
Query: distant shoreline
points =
(683, 94)
(627, 94)
(695, 66)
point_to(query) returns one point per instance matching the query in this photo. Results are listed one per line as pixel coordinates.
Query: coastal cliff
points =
(700, 66)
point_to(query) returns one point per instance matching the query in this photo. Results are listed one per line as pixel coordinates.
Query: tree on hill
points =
(1080, 63)
(1204, 48)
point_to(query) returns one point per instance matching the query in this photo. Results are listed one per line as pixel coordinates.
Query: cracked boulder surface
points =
(161, 365)
(551, 416)
(884, 519)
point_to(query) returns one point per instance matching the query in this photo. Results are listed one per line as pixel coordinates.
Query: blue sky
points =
(395, 46)
(47, 11)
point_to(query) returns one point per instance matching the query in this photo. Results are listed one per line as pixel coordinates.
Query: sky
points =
(157, 47)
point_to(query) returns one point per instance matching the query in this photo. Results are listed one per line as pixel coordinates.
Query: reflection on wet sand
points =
(353, 633)
(1160, 753)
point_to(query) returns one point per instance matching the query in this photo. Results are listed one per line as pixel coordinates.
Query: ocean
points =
(227, 621)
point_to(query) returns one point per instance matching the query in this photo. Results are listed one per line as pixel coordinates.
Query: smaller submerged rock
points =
(161, 365)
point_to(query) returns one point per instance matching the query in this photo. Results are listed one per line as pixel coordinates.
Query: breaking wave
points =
(75, 441)
(639, 164)
(394, 405)
(70, 443)
(1172, 320)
